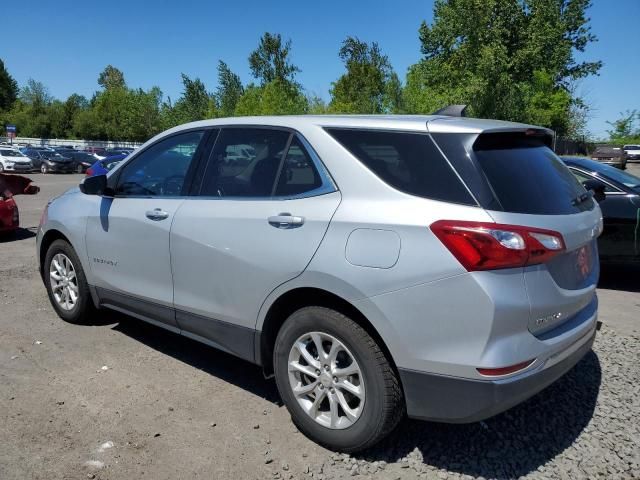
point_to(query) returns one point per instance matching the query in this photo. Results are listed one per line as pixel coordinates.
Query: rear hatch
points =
(518, 179)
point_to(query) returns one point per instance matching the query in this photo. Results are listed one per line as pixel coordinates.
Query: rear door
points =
(256, 224)
(522, 182)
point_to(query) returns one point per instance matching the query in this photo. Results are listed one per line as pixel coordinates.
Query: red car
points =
(11, 185)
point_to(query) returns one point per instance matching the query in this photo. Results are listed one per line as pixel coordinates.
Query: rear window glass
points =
(527, 177)
(409, 162)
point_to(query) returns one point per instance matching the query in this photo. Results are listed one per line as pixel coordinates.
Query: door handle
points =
(286, 220)
(156, 214)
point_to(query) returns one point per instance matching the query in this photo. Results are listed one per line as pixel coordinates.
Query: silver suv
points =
(438, 267)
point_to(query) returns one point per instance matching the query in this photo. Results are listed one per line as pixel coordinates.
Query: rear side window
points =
(298, 174)
(527, 177)
(409, 162)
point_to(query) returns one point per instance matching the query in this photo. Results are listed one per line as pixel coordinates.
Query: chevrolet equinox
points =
(438, 267)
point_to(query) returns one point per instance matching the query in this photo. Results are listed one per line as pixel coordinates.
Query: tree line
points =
(505, 59)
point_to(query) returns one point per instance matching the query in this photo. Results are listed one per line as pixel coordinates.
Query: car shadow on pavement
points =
(208, 359)
(19, 234)
(509, 445)
(620, 277)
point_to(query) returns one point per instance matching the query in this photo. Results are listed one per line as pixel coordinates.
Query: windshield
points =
(10, 153)
(631, 147)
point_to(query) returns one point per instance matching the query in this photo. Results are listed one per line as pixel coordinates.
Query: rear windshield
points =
(527, 177)
(409, 162)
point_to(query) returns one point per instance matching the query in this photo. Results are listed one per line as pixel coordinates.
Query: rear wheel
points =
(66, 283)
(335, 380)
(79, 169)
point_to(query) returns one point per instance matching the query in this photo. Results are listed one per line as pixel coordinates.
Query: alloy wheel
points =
(326, 380)
(64, 282)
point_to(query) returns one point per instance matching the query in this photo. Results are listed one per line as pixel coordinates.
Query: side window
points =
(298, 175)
(245, 162)
(409, 162)
(161, 169)
(583, 177)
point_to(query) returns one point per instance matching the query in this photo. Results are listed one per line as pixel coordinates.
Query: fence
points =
(78, 144)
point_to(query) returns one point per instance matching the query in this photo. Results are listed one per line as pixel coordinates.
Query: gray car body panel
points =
(433, 315)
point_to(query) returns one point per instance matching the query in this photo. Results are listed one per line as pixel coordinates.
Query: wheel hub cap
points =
(326, 380)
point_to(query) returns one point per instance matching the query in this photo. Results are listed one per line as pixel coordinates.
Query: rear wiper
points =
(582, 198)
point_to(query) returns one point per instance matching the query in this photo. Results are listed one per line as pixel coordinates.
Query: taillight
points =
(89, 172)
(489, 246)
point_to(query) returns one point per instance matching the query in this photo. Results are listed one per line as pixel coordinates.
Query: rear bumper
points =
(460, 400)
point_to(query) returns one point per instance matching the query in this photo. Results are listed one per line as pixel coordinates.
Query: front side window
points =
(161, 169)
(245, 162)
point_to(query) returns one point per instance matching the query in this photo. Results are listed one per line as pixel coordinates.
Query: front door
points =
(128, 235)
(258, 222)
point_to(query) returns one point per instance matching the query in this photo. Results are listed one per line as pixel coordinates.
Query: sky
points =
(66, 44)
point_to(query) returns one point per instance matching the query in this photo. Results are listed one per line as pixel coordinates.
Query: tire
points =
(383, 405)
(83, 310)
(44, 169)
(1, 167)
(79, 169)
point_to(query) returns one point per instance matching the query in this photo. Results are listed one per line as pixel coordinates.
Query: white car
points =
(13, 160)
(633, 152)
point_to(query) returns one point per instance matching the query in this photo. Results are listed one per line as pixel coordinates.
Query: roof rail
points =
(452, 111)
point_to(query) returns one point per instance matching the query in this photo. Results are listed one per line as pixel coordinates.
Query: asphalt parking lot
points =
(121, 399)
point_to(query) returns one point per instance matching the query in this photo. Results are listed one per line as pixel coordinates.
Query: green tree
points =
(8, 88)
(625, 129)
(369, 85)
(194, 104)
(270, 61)
(111, 78)
(250, 102)
(229, 90)
(495, 55)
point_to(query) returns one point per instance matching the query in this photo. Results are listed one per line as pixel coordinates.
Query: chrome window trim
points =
(600, 179)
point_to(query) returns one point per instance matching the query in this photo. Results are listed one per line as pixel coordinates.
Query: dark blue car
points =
(618, 194)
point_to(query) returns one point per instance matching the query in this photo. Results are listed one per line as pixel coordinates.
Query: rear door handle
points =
(286, 220)
(157, 214)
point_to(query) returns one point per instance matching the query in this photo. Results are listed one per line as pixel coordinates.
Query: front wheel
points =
(79, 169)
(66, 283)
(335, 380)
(44, 168)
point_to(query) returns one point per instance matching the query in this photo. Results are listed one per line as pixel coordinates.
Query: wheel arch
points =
(48, 238)
(301, 297)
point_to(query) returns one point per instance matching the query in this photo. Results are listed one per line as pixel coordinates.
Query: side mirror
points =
(597, 187)
(96, 185)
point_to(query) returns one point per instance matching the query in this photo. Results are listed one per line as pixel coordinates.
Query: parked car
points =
(83, 160)
(95, 150)
(610, 155)
(412, 265)
(618, 194)
(633, 152)
(54, 162)
(102, 167)
(35, 154)
(13, 160)
(10, 186)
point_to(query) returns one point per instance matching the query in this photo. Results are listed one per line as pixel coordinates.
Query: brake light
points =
(89, 172)
(489, 246)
